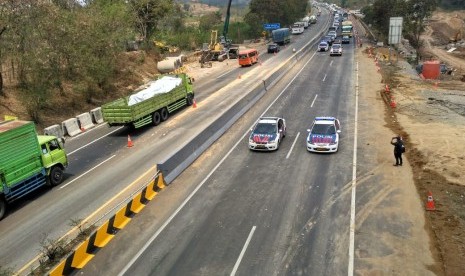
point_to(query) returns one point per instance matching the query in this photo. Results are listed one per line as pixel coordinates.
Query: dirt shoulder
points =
(431, 120)
(392, 236)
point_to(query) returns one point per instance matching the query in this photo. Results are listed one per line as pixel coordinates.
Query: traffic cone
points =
(436, 84)
(129, 142)
(239, 77)
(83, 129)
(393, 103)
(195, 104)
(430, 203)
(387, 88)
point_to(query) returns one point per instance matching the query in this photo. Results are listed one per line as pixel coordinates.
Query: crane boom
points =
(226, 20)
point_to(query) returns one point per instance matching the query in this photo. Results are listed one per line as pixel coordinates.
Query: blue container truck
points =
(281, 36)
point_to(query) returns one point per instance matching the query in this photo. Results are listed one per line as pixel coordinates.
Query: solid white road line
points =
(98, 165)
(94, 141)
(225, 73)
(238, 262)
(324, 78)
(168, 221)
(313, 102)
(350, 271)
(331, 63)
(293, 144)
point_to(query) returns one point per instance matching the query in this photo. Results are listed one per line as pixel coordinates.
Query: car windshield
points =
(265, 128)
(336, 46)
(323, 44)
(324, 129)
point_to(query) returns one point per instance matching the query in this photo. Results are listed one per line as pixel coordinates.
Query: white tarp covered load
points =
(162, 85)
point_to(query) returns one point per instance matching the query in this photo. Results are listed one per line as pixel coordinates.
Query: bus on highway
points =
(248, 57)
(347, 28)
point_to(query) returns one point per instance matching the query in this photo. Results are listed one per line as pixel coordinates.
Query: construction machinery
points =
(219, 49)
(163, 48)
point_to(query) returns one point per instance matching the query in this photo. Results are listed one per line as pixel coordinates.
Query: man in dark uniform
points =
(398, 149)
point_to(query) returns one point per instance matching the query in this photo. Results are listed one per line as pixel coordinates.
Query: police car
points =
(323, 136)
(267, 133)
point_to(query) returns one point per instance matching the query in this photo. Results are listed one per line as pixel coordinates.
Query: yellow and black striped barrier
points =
(100, 238)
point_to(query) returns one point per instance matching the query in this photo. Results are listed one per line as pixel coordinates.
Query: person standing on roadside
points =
(398, 149)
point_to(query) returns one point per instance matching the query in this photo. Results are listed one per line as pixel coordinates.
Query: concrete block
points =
(97, 116)
(85, 121)
(71, 127)
(55, 130)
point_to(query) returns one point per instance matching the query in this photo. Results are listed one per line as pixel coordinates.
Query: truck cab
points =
(54, 158)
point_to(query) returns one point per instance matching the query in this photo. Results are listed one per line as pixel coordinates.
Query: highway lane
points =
(293, 211)
(100, 175)
(218, 79)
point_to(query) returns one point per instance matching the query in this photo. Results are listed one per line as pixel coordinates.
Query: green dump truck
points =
(151, 104)
(27, 161)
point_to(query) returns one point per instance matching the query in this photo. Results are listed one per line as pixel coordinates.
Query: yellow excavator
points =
(219, 49)
(163, 48)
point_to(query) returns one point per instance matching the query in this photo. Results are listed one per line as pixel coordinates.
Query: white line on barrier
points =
(313, 102)
(244, 248)
(94, 141)
(168, 221)
(293, 144)
(324, 78)
(96, 166)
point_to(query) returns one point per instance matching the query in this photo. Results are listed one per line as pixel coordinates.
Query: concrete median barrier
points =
(179, 161)
(71, 127)
(97, 116)
(55, 130)
(84, 252)
(85, 121)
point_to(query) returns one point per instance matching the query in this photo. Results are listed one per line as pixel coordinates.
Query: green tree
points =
(148, 14)
(274, 11)
(416, 13)
(209, 21)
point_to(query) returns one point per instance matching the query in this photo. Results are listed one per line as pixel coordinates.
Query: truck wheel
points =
(56, 176)
(164, 114)
(156, 118)
(2, 207)
(190, 100)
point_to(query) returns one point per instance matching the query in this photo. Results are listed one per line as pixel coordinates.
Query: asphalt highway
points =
(256, 213)
(103, 173)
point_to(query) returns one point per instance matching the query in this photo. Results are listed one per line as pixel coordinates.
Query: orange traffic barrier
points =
(194, 105)
(130, 144)
(430, 203)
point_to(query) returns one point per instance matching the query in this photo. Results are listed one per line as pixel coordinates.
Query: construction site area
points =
(430, 115)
